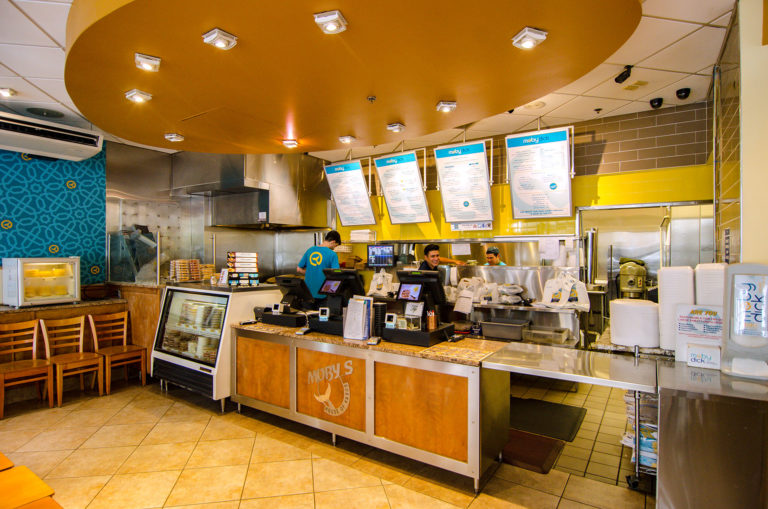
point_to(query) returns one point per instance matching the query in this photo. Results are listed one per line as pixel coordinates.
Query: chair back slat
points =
(18, 341)
(63, 336)
(109, 330)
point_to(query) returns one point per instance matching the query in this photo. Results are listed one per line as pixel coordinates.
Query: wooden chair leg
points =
(108, 372)
(101, 376)
(49, 386)
(2, 396)
(59, 383)
(143, 368)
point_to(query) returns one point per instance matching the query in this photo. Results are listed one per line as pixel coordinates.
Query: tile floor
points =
(140, 448)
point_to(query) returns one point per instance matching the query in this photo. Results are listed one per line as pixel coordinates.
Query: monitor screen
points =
(429, 280)
(330, 286)
(409, 291)
(382, 255)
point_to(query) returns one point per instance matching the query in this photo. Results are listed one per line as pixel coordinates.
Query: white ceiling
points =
(675, 45)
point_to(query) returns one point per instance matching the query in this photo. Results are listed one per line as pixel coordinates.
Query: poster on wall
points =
(347, 185)
(539, 165)
(401, 183)
(462, 171)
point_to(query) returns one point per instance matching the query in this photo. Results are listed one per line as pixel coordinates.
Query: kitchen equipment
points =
(631, 278)
(508, 329)
(554, 335)
(36, 281)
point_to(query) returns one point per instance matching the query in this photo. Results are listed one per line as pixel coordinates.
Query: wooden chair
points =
(64, 346)
(110, 339)
(18, 359)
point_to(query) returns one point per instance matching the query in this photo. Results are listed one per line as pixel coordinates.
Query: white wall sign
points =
(463, 174)
(403, 191)
(350, 194)
(539, 165)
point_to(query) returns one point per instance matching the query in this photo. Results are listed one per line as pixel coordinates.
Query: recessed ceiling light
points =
(396, 127)
(536, 105)
(528, 37)
(138, 96)
(7, 92)
(220, 39)
(146, 62)
(174, 137)
(347, 139)
(45, 112)
(291, 143)
(446, 106)
(331, 22)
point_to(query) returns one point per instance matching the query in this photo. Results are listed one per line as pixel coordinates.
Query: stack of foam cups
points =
(675, 288)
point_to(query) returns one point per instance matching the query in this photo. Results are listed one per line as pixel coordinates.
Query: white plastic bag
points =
(381, 284)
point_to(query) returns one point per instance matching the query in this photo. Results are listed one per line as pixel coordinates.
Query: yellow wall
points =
(754, 127)
(688, 183)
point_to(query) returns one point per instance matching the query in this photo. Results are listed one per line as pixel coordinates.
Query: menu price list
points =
(463, 174)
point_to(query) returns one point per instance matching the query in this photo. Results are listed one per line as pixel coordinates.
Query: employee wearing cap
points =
(432, 258)
(492, 256)
(317, 258)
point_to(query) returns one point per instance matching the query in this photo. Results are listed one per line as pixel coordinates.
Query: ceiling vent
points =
(38, 137)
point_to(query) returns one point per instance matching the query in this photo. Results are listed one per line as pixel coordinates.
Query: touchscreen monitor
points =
(409, 291)
(330, 286)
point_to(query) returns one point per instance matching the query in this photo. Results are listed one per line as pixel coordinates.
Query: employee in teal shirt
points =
(318, 258)
(492, 256)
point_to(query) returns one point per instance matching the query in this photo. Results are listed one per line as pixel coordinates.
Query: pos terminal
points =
(296, 296)
(339, 286)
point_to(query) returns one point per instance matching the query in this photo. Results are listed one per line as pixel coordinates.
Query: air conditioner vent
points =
(22, 134)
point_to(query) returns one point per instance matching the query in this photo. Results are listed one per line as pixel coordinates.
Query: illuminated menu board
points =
(403, 191)
(463, 174)
(349, 193)
(539, 165)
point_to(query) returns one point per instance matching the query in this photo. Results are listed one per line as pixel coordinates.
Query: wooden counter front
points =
(263, 371)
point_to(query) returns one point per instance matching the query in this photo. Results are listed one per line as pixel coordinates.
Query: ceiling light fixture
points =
(528, 37)
(220, 39)
(623, 75)
(446, 106)
(331, 22)
(396, 127)
(347, 139)
(138, 96)
(536, 105)
(291, 143)
(146, 62)
(7, 92)
(174, 137)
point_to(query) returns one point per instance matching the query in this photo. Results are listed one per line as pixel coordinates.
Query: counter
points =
(10, 314)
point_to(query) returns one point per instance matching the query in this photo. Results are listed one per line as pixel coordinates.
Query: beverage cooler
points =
(36, 281)
(192, 342)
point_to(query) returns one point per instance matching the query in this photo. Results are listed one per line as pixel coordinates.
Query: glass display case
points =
(36, 281)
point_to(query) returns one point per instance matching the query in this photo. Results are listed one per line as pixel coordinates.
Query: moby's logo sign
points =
(331, 375)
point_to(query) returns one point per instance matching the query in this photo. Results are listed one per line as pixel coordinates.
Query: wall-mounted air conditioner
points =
(38, 137)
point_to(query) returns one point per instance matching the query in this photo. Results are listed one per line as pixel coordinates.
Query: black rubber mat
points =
(552, 420)
(531, 452)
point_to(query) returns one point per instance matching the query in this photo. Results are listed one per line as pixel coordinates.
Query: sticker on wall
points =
(6, 224)
(53, 249)
(95, 269)
(71, 184)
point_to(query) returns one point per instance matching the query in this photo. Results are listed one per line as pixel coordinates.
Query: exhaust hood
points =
(256, 190)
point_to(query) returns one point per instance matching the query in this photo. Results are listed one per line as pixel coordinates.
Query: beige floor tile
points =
(249, 421)
(608, 438)
(500, 493)
(76, 492)
(443, 485)
(115, 400)
(59, 439)
(605, 459)
(152, 458)
(602, 495)
(586, 434)
(126, 491)
(609, 471)
(220, 429)
(84, 418)
(553, 398)
(328, 475)
(613, 430)
(303, 501)
(40, 462)
(202, 485)
(36, 419)
(570, 504)
(591, 426)
(573, 399)
(291, 438)
(117, 435)
(341, 455)
(171, 432)
(552, 483)
(358, 498)
(598, 478)
(568, 470)
(266, 448)
(92, 462)
(151, 400)
(576, 452)
(278, 478)
(403, 498)
(12, 440)
(594, 405)
(186, 413)
(135, 415)
(572, 463)
(622, 416)
(387, 466)
(214, 505)
(593, 417)
(607, 448)
(582, 443)
(219, 453)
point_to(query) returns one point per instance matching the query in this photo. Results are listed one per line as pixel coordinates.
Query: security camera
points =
(511, 111)
(623, 75)
(656, 102)
(683, 93)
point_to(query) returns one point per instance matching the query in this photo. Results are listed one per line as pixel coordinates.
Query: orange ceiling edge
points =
(285, 79)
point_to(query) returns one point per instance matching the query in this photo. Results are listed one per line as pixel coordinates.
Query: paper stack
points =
(243, 268)
(710, 281)
(362, 236)
(675, 287)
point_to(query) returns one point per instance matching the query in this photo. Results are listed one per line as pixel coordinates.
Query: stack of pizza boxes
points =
(243, 268)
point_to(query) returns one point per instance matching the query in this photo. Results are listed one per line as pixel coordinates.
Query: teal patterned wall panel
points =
(53, 207)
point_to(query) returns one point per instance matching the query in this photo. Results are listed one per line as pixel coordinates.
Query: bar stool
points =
(108, 330)
(20, 365)
(63, 336)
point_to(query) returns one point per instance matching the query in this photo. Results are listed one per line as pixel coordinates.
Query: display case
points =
(191, 347)
(37, 281)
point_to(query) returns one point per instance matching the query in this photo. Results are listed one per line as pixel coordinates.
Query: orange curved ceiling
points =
(287, 79)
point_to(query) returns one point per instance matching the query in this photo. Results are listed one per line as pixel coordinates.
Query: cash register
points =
(296, 297)
(339, 286)
(422, 294)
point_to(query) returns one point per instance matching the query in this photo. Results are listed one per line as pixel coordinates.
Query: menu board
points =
(403, 191)
(539, 166)
(350, 194)
(463, 174)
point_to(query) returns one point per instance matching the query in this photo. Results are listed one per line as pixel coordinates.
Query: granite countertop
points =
(140, 284)
(67, 305)
(468, 351)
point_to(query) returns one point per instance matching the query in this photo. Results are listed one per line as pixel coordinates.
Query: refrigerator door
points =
(191, 325)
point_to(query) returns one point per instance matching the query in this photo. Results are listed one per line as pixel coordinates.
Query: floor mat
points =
(552, 420)
(531, 452)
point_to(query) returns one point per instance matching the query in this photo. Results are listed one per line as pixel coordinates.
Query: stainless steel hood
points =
(256, 190)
